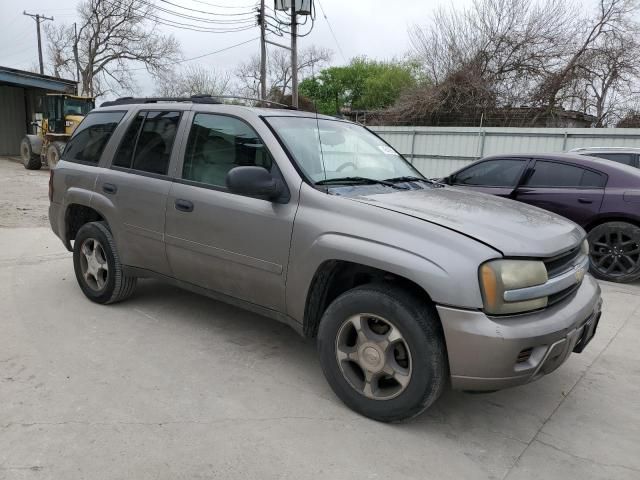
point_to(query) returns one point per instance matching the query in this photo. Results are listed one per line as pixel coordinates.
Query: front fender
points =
(327, 228)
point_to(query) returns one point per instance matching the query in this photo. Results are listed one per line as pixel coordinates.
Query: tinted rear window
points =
(91, 137)
(552, 174)
(147, 144)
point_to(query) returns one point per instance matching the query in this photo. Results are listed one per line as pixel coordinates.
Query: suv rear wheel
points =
(382, 351)
(97, 265)
(614, 251)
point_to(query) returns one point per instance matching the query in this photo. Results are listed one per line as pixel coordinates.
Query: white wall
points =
(438, 151)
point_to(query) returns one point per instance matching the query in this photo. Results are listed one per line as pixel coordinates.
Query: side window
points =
(147, 144)
(593, 179)
(626, 158)
(218, 143)
(91, 137)
(492, 173)
(551, 174)
(124, 156)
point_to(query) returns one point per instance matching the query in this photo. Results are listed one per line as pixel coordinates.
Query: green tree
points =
(362, 85)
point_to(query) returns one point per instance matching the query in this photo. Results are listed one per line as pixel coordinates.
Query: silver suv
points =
(406, 285)
(624, 155)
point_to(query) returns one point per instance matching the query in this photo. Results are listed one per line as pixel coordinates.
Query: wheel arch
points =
(75, 216)
(334, 277)
(613, 217)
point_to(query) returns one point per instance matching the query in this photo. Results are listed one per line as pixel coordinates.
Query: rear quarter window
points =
(91, 136)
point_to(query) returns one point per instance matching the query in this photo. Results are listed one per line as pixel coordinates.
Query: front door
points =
(566, 189)
(233, 244)
(496, 176)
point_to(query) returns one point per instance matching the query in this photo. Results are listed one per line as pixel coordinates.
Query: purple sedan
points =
(600, 195)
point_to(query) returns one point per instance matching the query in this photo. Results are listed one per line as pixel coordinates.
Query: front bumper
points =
(491, 353)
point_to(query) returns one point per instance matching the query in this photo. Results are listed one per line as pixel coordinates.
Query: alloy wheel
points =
(93, 263)
(373, 356)
(615, 253)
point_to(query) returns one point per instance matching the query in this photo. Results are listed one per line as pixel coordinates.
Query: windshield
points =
(326, 149)
(76, 106)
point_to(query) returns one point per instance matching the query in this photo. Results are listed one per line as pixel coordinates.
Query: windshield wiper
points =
(363, 180)
(409, 179)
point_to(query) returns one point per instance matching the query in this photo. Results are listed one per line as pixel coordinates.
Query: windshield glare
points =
(327, 149)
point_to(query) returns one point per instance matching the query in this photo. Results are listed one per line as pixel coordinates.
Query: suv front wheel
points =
(97, 265)
(382, 352)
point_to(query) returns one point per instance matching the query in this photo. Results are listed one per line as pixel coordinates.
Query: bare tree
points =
(607, 79)
(508, 42)
(544, 54)
(193, 80)
(112, 37)
(310, 60)
(613, 19)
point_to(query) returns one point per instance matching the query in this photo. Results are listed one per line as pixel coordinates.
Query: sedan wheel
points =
(614, 249)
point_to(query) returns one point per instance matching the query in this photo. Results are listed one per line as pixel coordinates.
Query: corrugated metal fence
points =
(438, 151)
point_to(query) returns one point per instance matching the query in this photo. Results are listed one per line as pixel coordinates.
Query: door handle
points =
(109, 188)
(584, 200)
(184, 205)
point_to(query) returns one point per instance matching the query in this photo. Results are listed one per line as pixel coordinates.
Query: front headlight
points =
(498, 276)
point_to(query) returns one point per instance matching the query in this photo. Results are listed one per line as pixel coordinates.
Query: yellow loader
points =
(61, 114)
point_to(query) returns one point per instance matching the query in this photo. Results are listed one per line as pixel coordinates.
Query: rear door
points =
(137, 183)
(566, 189)
(498, 176)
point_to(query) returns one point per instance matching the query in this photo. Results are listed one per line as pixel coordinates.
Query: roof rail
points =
(210, 99)
(134, 100)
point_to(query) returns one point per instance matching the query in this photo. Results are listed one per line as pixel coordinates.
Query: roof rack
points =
(581, 149)
(210, 99)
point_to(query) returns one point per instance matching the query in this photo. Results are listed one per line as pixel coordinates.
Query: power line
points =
(247, 16)
(222, 6)
(203, 55)
(331, 30)
(181, 25)
(203, 11)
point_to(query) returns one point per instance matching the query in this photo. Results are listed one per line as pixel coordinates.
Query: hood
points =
(513, 228)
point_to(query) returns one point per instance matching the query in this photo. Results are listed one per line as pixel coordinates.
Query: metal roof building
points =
(19, 93)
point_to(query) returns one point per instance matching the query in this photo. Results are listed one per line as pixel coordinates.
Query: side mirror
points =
(255, 182)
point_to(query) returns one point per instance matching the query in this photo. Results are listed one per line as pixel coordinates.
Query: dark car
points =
(600, 195)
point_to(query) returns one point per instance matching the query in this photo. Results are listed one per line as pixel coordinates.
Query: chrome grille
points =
(562, 262)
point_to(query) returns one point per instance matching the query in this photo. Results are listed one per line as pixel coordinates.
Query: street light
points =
(303, 7)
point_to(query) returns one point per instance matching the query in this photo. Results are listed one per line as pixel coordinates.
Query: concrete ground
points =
(170, 385)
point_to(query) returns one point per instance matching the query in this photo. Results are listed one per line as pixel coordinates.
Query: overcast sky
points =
(375, 28)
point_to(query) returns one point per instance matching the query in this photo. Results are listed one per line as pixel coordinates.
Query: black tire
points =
(614, 252)
(418, 323)
(118, 286)
(30, 160)
(54, 152)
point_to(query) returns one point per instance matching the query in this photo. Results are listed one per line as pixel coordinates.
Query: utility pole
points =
(263, 53)
(75, 57)
(39, 19)
(294, 56)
